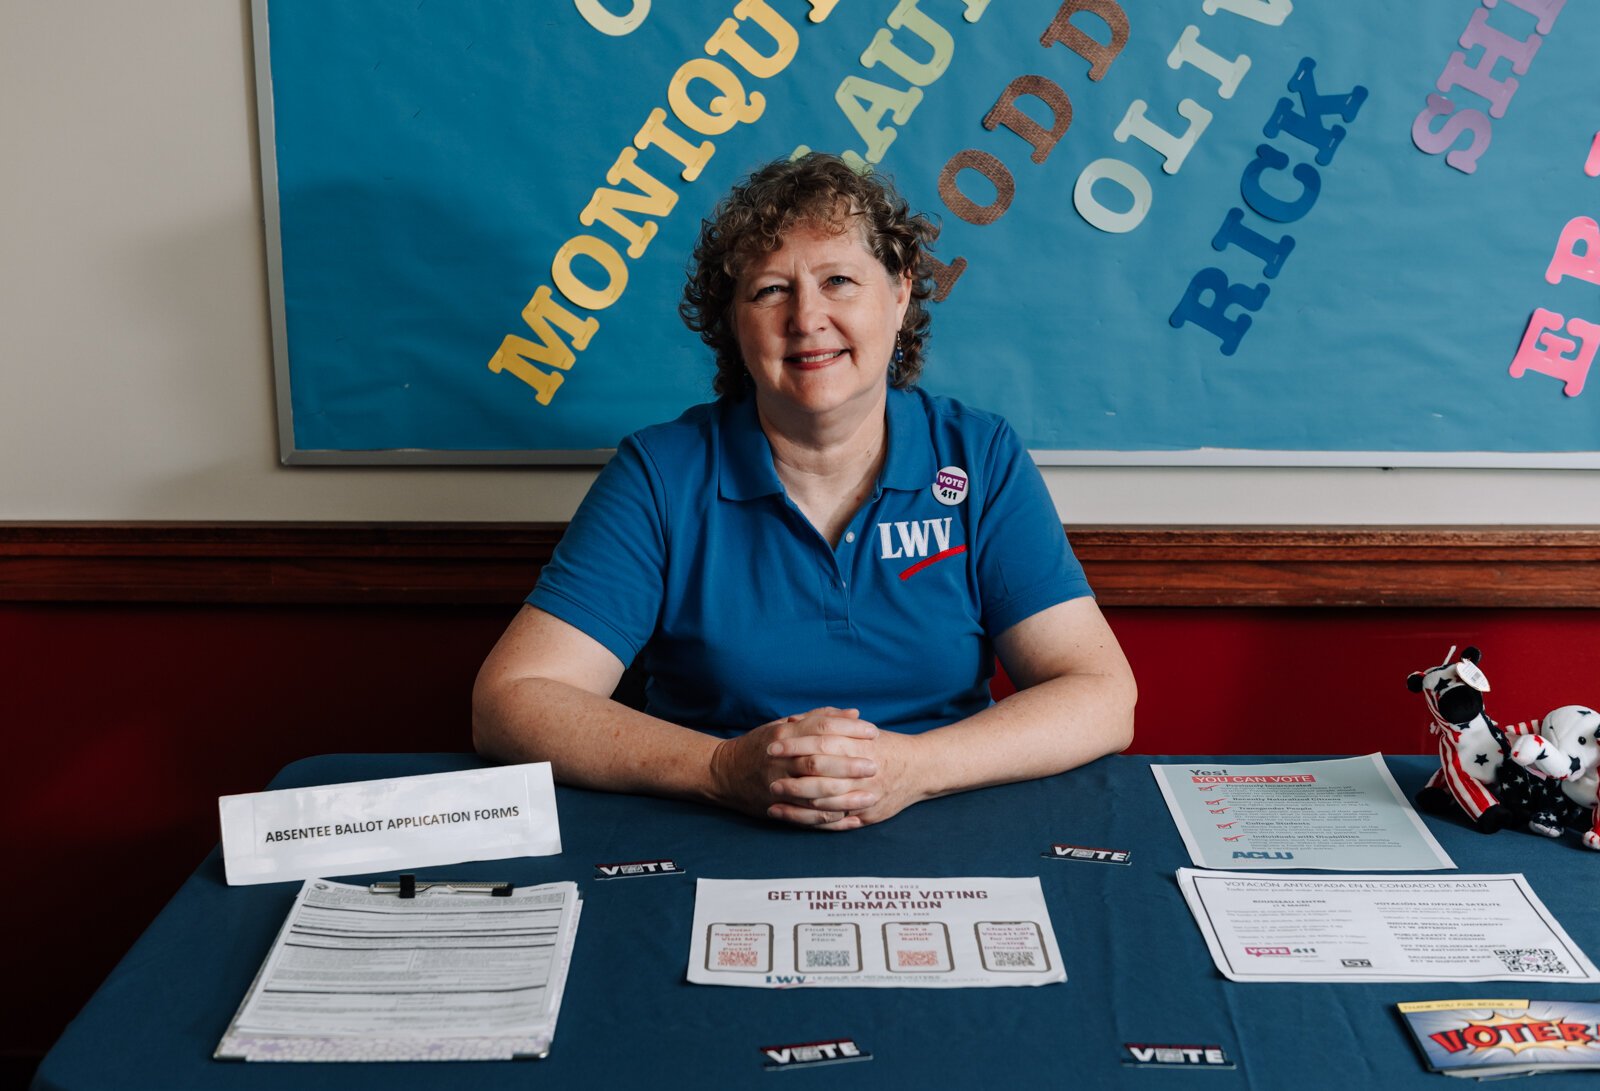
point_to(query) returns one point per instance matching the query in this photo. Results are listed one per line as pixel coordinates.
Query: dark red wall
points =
(124, 724)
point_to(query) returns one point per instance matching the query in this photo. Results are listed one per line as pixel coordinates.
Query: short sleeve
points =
(1024, 561)
(607, 575)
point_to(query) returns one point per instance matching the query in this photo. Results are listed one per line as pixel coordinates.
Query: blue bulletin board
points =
(1209, 232)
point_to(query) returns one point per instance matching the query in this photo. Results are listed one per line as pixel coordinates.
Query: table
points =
(1137, 968)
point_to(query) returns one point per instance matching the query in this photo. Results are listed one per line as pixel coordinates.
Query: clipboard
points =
(334, 985)
(407, 886)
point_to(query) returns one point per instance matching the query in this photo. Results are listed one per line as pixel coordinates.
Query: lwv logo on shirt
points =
(911, 539)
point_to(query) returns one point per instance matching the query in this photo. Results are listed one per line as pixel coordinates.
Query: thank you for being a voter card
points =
(382, 825)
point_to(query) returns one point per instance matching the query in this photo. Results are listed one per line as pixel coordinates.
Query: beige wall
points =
(136, 376)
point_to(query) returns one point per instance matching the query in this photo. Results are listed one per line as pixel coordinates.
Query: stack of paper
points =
(1487, 1039)
(444, 976)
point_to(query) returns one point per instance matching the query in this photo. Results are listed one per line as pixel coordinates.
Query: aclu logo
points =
(1263, 855)
(911, 539)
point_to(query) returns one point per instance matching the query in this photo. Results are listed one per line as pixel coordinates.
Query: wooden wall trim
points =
(490, 563)
(1343, 566)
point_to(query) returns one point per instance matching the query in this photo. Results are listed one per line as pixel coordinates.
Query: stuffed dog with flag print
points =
(1572, 750)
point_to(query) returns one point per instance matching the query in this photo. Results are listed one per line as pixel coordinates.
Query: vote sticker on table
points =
(634, 868)
(1087, 854)
(811, 1054)
(1145, 1055)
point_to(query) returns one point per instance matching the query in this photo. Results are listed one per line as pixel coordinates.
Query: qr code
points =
(913, 960)
(730, 956)
(1530, 960)
(1014, 959)
(828, 960)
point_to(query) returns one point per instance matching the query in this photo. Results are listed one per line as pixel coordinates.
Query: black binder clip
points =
(408, 886)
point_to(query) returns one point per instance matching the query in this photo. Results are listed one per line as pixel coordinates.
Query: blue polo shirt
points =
(687, 551)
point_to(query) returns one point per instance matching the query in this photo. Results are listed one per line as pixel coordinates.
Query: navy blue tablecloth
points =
(1138, 970)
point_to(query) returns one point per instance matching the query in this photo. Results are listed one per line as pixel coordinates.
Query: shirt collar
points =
(744, 456)
(910, 462)
(745, 469)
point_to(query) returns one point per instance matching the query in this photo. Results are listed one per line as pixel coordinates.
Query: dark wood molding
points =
(308, 563)
(496, 563)
(1343, 566)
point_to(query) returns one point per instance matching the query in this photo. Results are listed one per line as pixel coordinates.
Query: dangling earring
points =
(898, 358)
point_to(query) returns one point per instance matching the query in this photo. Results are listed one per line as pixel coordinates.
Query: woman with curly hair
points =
(817, 570)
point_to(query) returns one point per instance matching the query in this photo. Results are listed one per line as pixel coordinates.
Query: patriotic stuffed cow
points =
(1470, 744)
(1542, 774)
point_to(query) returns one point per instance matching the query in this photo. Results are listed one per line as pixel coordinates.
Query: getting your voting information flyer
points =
(872, 933)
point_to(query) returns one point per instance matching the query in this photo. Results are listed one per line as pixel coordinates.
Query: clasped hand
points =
(827, 768)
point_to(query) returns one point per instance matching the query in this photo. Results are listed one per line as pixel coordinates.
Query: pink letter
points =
(1567, 262)
(1547, 354)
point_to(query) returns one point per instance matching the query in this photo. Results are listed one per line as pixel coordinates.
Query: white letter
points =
(607, 22)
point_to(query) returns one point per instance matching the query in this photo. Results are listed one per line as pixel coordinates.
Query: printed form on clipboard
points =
(446, 975)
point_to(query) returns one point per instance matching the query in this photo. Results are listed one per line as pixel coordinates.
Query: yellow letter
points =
(821, 9)
(509, 358)
(727, 109)
(542, 314)
(607, 205)
(603, 254)
(656, 134)
(727, 40)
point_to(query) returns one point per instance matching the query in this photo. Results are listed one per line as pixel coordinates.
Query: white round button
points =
(950, 486)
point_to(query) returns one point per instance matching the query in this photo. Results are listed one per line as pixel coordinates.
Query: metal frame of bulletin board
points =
(1173, 232)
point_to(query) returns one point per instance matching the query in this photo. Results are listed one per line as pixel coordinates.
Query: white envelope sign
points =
(384, 825)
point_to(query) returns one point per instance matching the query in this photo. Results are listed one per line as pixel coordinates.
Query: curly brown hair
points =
(814, 190)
